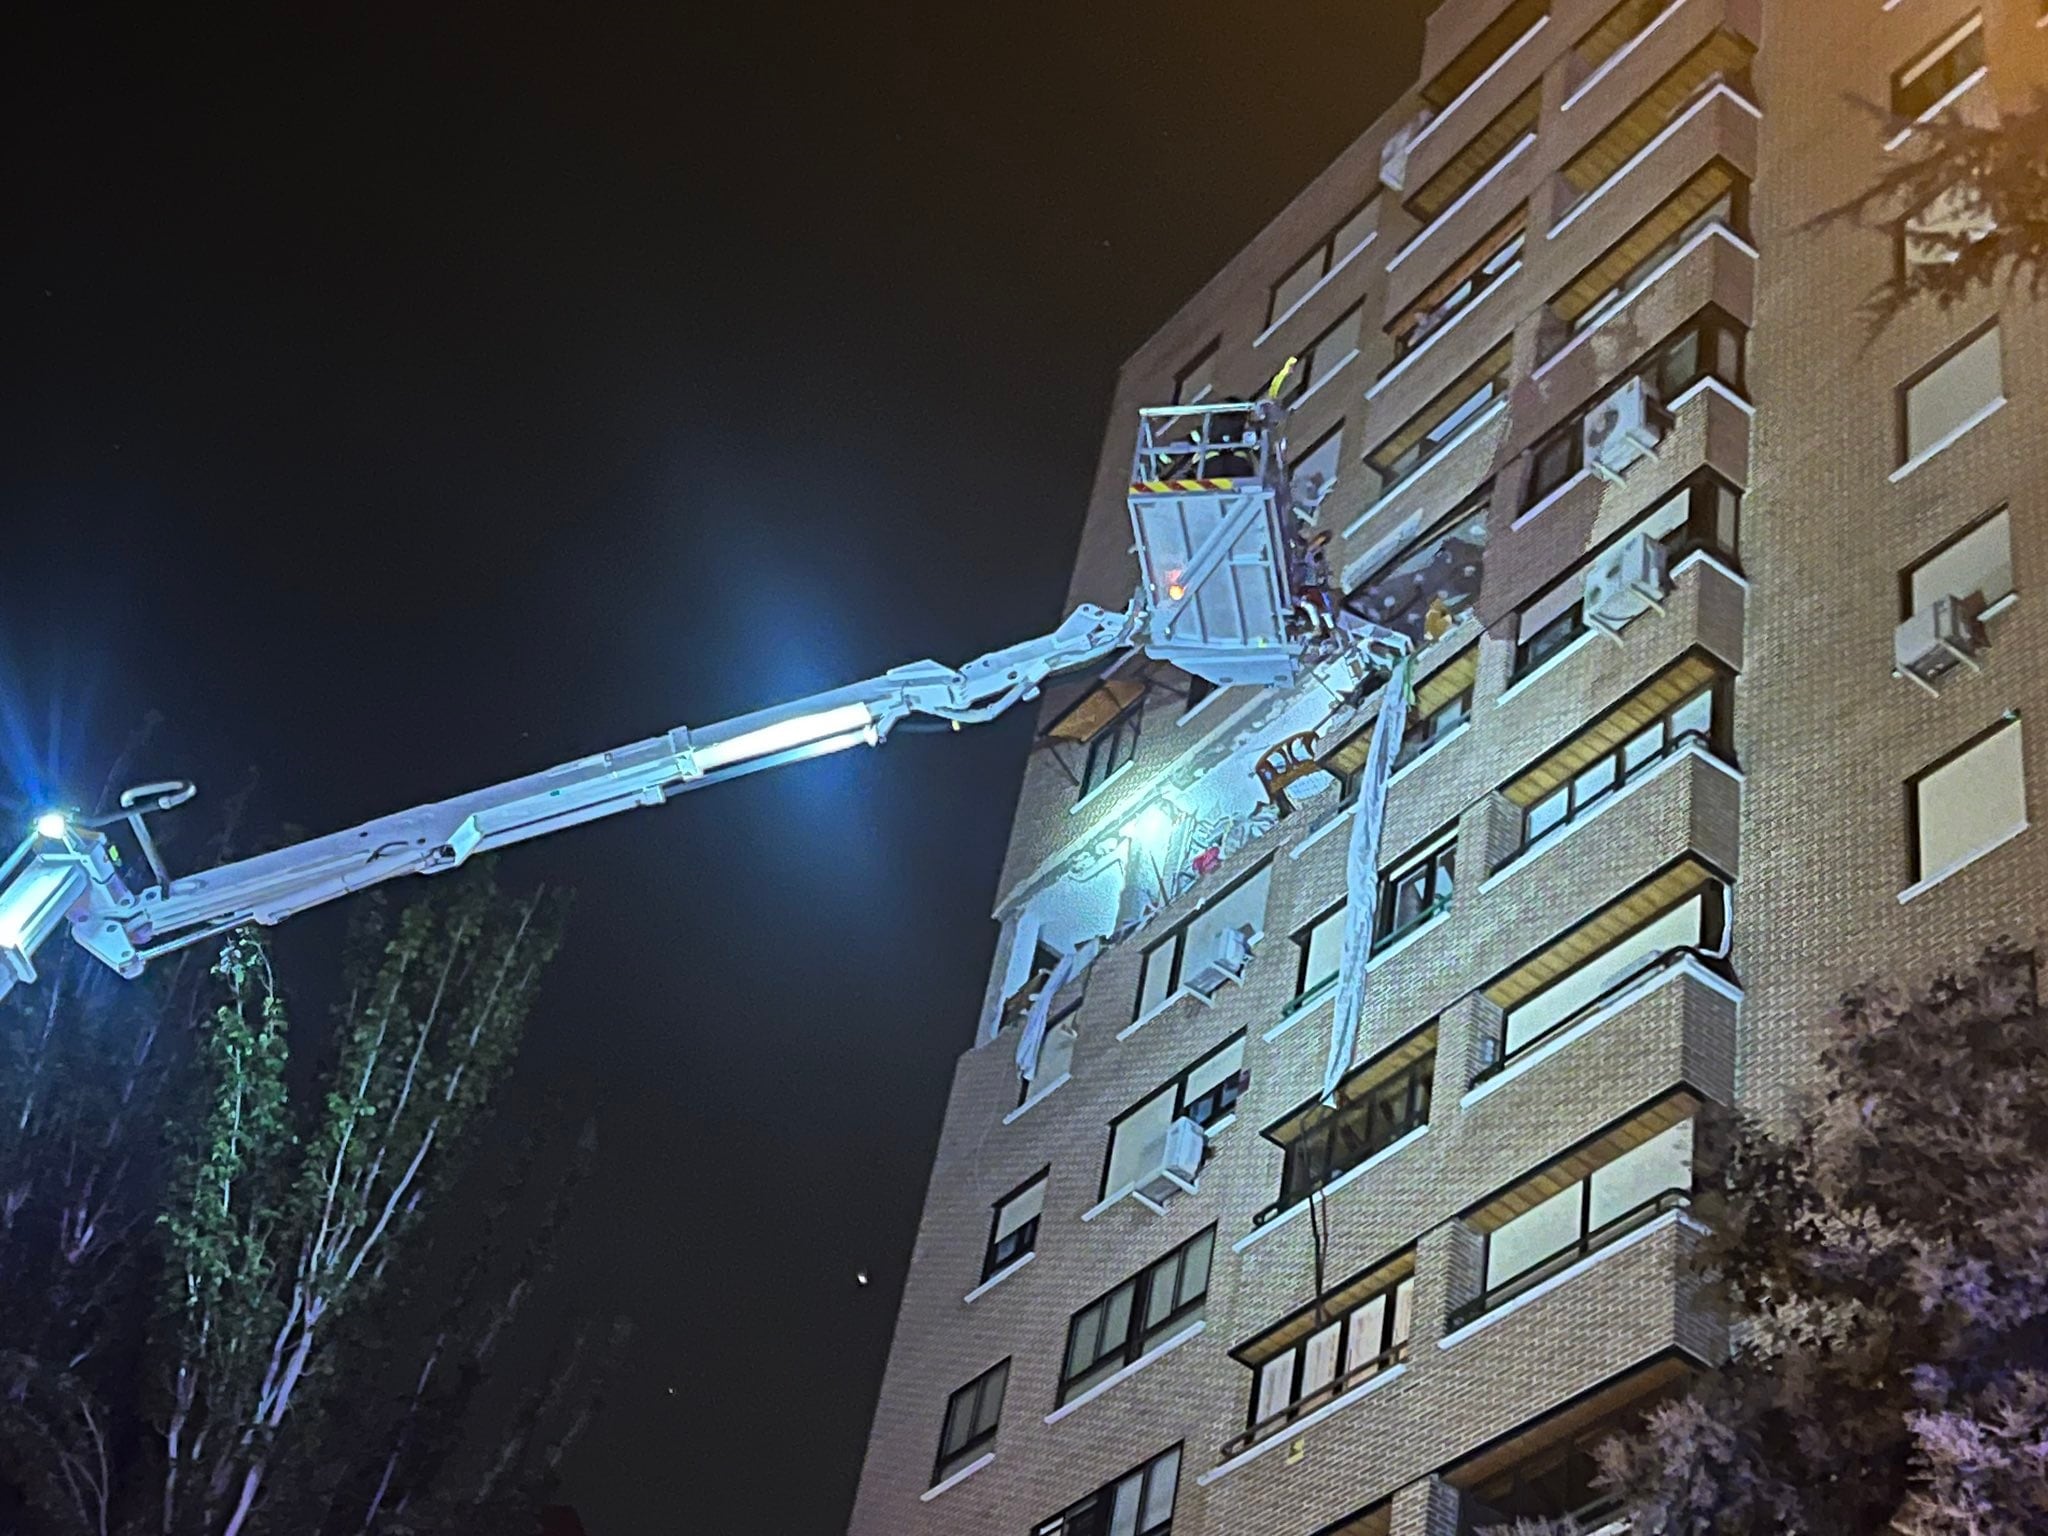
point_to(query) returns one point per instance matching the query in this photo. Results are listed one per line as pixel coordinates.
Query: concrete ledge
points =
(957, 1478)
(1137, 1365)
(1307, 1421)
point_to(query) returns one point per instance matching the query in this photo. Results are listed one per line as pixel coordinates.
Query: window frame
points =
(1431, 855)
(949, 1463)
(1969, 530)
(1393, 1351)
(1303, 938)
(1720, 695)
(1206, 356)
(1324, 254)
(993, 1260)
(1902, 396)
(1131, 716)
(1138, 1338)
(1102, 1501)
(1412, 1088)
(1967, 33)
(1225, 1092)
(1177, 937)
(2011, 720)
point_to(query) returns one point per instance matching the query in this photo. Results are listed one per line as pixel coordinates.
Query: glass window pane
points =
(1159, 1293)
(1194, 1270)
(1162, 1481)
(1962, 387)
(1642, 749)
(1642, 1173)
(1082, 1341)
(1351, 234)
(1971, 802)
(1404, 1310)
(990, 1401)
(1547, 813)
(1593, 781)
(1325, 945)
(1123, 1516)
(1368, 1332)
(1290, 290)
(1138, 1140)
(1696, 714)
(1116, 1319)
(1528, 1239)
(1156, 978)
(1276, 1386)
(1319, 1358)
(1979, 563)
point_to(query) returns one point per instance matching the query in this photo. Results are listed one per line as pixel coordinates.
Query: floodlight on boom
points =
(53, 825)
(825, 725)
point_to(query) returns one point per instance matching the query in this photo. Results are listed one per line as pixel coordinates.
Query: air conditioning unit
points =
(1622, 429)
(1944, 635)
(1179, 1165)
(1628, 581)
(1394, 153)
(1225, 962)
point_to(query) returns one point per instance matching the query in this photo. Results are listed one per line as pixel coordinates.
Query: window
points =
(1140, 1503)
(1055, 1054)
(1491, 260)
(1541, 641)
(1440, 422)
(1683, 910)
(1424, 587)
(1720, 59)
(1489, 148)
(1314, 474)
(1316, 1356)
(1617, 750)
(1716, 194)
(1014, 1231)
(1111, 748)
(1585, 1215)
(1194, 383)
(1944, 401)
(1143, 1312)
(1376, 1106)
(1443, 703)
(1930, 81)
(1205, 1093)
(1940, 230)
(1416, 891)
(1975, 566)
(1344, 242)
(1619, 27)
(1710, 345)
(1321, 943)
(1969, 803)
(1329, 352)
(970, 1425)
(1189, 956)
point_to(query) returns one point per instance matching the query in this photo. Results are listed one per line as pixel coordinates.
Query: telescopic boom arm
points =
(65, 871)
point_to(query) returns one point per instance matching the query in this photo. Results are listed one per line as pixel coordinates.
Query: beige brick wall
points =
(1813, 828)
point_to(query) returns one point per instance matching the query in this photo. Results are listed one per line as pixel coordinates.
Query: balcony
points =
(1466, 102)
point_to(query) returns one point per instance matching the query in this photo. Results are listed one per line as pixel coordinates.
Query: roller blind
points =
(1020, 1209)
(1980, 562)
(1958, 390)
(1139, 1138)
(1971, 803)
(1243, 907)
(1224, 1064)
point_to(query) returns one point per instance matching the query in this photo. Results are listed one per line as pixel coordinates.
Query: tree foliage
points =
(1885, 1260)
(1986, 189)
(226, 1304)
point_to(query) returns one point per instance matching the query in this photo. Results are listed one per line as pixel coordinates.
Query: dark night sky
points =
(409, 398)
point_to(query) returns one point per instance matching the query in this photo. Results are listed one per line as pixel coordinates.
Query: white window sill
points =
(1386, 380)
(1307, 1421)
(1670, 129)
(1302, 1008)
(1038, 1096)
(1451, 107)
(957, 1478)
(1541, 669)
(1485, 418)
(1656, 981)
(1428, 752)
(1954, 94)
(1922, 887)
(1615, 59)
(1577, 478)
(1089, 798)
(1948, 440)
(1567, 1275)
(1563, 830)
(1427, 925)
(1316, 387)
(1315, 288)
(1709, 386)
(1137, 1365)
(1338, 817)
(1329, 1189)
(998, 1277)
(1500, 168)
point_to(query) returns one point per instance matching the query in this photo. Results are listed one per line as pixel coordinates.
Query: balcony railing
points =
(1309, 1402)
(1606, 1515)
(1589, 1243)
(1713, 959)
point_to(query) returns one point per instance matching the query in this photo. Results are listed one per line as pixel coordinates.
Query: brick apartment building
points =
(1665, 790)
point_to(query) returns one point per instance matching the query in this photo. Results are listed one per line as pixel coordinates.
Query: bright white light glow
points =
(1149, 828)
(802, 730)
(51, 824)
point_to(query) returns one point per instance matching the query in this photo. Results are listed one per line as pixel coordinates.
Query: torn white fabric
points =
(1362, 876)
(1070, 965)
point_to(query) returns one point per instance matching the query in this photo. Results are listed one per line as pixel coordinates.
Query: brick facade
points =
(1803, 809)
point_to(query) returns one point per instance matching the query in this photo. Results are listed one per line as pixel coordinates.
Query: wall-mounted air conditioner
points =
(1229, 951)
(1179, 1165)
(1631, 579)
(1944, 635)
(1621, 429)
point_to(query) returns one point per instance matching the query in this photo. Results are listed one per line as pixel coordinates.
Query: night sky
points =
(406, 399)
